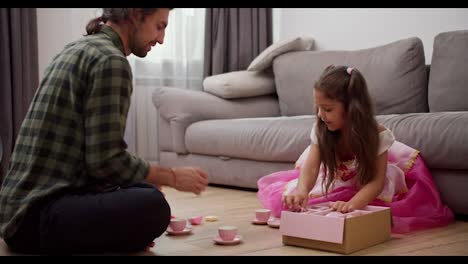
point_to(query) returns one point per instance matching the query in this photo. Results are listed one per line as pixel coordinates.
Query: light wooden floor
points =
(236, 207)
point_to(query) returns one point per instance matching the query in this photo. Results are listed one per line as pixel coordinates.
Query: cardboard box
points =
(342, 233)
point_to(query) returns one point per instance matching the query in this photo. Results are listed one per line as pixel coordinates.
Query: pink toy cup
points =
(178, 224)
(196, 220)
(227, 233)
(262, 215)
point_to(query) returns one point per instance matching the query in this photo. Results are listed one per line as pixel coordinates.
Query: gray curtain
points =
(18, 73)
(234, 37)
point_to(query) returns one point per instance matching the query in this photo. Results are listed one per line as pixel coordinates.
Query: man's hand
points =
(190, 179)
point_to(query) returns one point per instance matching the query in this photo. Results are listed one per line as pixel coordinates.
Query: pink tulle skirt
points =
(418, 208)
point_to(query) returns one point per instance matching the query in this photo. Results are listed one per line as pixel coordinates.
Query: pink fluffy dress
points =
(409, 190)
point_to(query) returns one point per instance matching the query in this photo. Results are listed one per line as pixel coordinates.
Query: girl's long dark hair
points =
(351, 90)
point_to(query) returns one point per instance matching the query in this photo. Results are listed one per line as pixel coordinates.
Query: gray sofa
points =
(240, 140)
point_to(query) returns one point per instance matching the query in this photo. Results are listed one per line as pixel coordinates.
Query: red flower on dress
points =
(345, 173)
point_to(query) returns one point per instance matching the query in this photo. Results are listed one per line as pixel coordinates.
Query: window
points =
(176, 63)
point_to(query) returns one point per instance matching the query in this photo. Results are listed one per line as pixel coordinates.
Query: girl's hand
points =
(343, 207)
(295, 201)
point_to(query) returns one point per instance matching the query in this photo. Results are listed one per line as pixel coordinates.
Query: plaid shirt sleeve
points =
(105, 119)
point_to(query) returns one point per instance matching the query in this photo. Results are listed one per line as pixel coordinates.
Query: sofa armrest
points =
(182, 107)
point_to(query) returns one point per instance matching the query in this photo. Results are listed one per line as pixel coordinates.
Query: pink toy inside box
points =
(319, 227)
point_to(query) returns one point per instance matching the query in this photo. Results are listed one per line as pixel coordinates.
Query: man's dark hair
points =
(115, 15)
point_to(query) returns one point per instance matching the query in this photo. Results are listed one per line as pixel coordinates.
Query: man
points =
(71, 186)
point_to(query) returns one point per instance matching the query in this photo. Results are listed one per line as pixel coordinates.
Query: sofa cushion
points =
(239, 84)
(265, 59)
(395, 74)
(448, 80)
(279, 139)
(442, 138)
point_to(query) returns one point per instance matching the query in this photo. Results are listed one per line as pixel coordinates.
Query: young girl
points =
(353, 161)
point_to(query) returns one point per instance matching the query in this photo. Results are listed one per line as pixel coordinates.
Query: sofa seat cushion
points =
(442, 138)
(276, 139)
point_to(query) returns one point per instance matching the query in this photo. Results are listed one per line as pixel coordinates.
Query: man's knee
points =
(158, 211)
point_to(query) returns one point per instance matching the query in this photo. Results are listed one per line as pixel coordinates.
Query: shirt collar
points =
(115, 38)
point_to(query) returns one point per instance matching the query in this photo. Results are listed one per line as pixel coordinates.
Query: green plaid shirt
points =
(72, 135)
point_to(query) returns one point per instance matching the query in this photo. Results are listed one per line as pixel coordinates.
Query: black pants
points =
(121, 220)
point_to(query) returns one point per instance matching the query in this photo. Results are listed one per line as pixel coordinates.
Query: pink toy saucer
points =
(273, 222)
(255, 221)
(186, 231)
(235, 241)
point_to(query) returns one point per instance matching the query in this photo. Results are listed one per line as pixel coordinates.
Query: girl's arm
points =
(307, 178)
(310, 170)
(369, 191)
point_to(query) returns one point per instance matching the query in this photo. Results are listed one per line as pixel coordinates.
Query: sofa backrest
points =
(448, 80)
(395, 73)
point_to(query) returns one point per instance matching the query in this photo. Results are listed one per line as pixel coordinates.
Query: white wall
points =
(332, 28)
(360, 28)
(56, 27)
